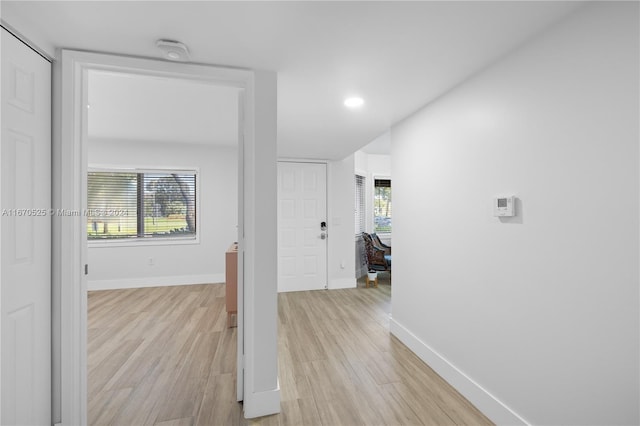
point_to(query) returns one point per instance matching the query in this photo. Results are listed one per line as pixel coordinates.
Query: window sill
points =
(143, 242)
(382, 236)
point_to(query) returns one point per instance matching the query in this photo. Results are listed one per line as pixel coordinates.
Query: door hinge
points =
(86, 269)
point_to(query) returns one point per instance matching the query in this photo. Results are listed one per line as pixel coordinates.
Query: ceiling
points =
(398, 56)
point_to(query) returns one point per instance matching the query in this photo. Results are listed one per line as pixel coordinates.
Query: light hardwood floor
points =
(164, 356)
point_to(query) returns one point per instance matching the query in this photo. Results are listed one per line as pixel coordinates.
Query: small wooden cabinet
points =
(231, 277)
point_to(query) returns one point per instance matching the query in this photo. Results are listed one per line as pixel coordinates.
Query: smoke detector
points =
(173, 50)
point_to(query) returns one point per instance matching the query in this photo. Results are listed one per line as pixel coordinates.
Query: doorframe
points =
(257, 331)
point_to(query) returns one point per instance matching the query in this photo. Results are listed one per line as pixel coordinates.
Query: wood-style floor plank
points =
(164, 356)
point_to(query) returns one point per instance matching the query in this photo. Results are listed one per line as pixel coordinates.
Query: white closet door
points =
(25, 236)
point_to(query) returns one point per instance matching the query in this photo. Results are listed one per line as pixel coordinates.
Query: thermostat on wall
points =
(504, 206)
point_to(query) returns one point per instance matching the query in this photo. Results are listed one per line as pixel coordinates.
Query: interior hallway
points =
(164, 356)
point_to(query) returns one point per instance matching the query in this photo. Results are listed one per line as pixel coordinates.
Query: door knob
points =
(323, 236)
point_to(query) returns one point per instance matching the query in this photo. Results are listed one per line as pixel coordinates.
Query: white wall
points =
(258, 318)
(540, 311)
(341, 194)
(128, 266)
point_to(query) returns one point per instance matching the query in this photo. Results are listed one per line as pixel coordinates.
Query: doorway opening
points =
(373, 212)
(162, 209)
(257, 379)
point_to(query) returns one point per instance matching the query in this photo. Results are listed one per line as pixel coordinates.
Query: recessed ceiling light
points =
(354, 102)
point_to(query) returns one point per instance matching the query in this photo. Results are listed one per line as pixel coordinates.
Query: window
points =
(136, 205)
(382, 206)
(360, 205)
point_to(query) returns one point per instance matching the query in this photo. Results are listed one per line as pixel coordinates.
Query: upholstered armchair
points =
(377, 259)
(378, 242)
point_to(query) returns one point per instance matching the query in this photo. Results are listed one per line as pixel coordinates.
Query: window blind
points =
(360, 205)
(127, 205)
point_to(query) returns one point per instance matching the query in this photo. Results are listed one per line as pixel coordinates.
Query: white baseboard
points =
(489, 405)
(342, 283)
(260, 404)
(154, 282)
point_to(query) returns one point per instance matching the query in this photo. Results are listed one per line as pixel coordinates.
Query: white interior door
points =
(302, 243)
(25, 236)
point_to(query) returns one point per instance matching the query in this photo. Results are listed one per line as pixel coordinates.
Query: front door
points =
(302, 230)
(25, 236)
